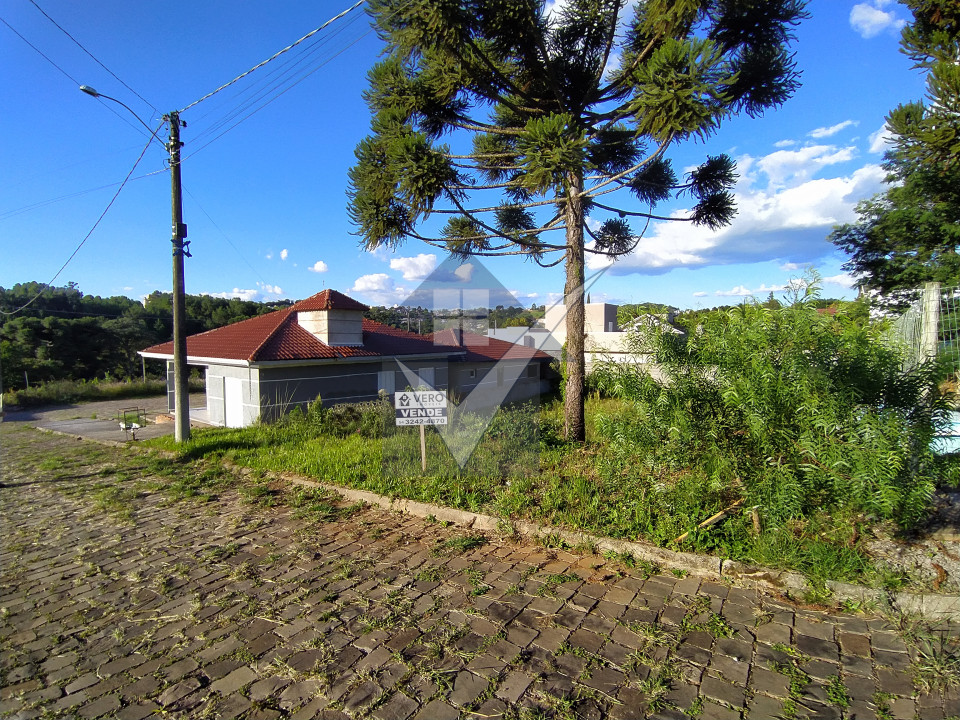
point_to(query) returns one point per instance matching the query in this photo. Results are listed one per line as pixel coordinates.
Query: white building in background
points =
(605, 340)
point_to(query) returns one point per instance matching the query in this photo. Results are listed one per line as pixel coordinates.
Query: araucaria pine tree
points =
(557, 115)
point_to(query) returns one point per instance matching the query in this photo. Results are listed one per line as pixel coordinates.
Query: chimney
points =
(332, 318)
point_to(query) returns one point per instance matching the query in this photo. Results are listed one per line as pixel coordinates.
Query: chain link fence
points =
(930, 327)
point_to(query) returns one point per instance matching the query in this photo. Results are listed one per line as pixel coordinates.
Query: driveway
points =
(135, 587)
(95, 420)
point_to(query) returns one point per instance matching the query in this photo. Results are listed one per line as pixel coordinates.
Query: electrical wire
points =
(283, 73)
(276, 96)
(275, 55)
(69, 196)
(68, 75)
(79, 45)
(40, 52)
(87, 236)
(226, 237)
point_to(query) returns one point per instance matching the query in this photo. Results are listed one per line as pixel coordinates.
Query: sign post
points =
(421, 408)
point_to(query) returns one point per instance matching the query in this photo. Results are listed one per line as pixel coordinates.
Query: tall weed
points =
(786, 408)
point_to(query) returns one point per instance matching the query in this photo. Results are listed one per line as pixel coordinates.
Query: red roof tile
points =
(328, 300)
(278, 336)
(480, 348)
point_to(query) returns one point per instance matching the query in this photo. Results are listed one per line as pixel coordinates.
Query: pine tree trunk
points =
(575, 429)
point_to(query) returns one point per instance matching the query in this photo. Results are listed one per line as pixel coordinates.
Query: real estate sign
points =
(421, 407)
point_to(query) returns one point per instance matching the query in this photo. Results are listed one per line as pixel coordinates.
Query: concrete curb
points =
(930, 605)
(793, 584)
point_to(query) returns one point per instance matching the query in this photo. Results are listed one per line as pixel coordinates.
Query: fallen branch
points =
(712, 520)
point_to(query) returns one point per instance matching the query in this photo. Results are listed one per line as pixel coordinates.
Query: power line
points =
(275, 97)
(69, 196)
(87, 236)
(79, 45)
(225, 237)
(40, 52)
(272, 82)
(275, 55)
(66, 74)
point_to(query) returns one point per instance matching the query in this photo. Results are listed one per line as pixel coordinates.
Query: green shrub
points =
(72, 391)
(786, 408)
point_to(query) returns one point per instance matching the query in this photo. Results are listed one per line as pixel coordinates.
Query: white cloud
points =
(284, 254)
(262, 292)
(379, 288)
(792, 267)
(318, 267)
(785, 143)
(269, 256)
(784, 167)
(700, 294)
(784, 213)
(377, 282)
(868, 19)
(381, 252)
(738, 291)
(822, 132)
(844, 280)
(415, 268)
(881, 139)
(464, 272)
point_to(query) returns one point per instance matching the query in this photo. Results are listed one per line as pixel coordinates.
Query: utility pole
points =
(181, 392)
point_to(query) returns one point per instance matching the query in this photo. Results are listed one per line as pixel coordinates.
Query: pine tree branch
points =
(478, 156)
(611, 36)
(483, 127)
(539, 203)
(592, 192)
(634, 213)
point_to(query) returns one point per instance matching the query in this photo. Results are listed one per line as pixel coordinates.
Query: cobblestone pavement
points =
(118, 601)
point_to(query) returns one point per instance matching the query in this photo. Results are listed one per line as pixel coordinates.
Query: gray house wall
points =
(268, 392)
(283, 388)
(531, 382)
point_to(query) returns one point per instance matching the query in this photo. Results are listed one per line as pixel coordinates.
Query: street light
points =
(181, 397)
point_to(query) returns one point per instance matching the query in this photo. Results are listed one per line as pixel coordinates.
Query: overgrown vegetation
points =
(806, 417)
(72, 391)
(796, 430)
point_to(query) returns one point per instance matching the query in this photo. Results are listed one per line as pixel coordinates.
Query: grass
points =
(72, 391)
(537, 478)
(459, 544)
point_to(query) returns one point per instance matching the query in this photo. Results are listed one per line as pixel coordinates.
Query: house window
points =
(472, 373)
(532, 370)
(386, 381)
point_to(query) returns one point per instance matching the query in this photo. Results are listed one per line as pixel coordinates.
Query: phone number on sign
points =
(404, 422)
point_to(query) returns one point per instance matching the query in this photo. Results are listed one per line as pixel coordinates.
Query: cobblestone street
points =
(130, 604)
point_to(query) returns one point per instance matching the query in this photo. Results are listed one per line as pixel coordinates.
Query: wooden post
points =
(423, 448)
(929, 338)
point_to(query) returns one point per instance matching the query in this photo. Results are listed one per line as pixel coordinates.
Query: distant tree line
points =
(67, 335)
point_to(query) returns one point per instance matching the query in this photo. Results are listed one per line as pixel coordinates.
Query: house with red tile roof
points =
(261, 368)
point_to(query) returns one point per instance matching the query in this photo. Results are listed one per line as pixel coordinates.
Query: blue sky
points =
(265, 201)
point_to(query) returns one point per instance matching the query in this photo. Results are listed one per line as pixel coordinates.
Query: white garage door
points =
(233, 402)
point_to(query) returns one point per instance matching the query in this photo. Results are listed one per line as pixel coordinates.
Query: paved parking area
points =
(126, 604)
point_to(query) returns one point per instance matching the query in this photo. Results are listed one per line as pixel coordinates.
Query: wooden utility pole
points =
(181, 392)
